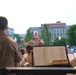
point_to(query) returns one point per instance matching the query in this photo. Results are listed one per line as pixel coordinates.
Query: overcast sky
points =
(22, 14)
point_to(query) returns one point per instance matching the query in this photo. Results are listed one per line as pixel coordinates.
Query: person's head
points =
(35, 34)
(22, 51)
(3, 23)
(29, 48)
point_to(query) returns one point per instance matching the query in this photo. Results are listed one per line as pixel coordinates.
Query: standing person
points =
(9, 54)
(34, 42)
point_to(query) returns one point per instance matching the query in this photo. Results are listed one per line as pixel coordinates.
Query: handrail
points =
(38, 70)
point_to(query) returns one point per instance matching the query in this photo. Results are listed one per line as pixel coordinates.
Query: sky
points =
(22, 14)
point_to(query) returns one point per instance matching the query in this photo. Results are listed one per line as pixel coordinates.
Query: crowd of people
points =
(10, 54)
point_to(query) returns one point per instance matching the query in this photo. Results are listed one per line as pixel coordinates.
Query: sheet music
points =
(39, 55)
(71, 56)
(45, 55)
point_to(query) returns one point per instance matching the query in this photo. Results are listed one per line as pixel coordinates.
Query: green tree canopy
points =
(62, 41)
(18, 40)
(28, 36)
(46, 35)
(71, 35)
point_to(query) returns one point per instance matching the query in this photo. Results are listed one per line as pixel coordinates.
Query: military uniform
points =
(9, 54)
(27, 61)
(34, 42)
(73, 62)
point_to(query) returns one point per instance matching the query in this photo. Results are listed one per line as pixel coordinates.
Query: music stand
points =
(51, 55)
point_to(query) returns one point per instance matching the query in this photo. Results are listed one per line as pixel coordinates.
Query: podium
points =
(51, 55)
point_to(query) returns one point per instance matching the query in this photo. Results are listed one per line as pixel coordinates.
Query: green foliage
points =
(18, 40)
(71, 35)
(28, 36)
(46, 35)
(59, 42)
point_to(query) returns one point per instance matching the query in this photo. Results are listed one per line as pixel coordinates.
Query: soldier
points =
(27, 61)
(73, 62)
(9, 54)
(34, 42)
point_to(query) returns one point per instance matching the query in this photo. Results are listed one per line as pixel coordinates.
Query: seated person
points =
(73, 62)
(22, 51)
(27, 61)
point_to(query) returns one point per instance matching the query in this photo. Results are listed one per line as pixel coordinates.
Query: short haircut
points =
(22, 51)
(29, 48)
(35, 32)
(3, 23)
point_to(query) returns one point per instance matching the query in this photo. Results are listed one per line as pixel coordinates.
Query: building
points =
(22, 35)
(10, 32)
(57, 29)
(38, 29)
(18, 40)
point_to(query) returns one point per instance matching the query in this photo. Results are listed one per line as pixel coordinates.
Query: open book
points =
(49, 55)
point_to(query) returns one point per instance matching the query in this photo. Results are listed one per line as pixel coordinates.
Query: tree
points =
(46, 35)
(28, 36)
(71, 35)
(18, 40)
(62, 41)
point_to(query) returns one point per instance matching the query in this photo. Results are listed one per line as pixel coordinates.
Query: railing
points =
(38, 70)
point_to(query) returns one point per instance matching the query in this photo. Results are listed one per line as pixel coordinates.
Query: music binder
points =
(49, 55)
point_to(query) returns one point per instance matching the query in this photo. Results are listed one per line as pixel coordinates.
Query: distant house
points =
(10, 32)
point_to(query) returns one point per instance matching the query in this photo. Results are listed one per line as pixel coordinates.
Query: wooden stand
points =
(50, 55)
